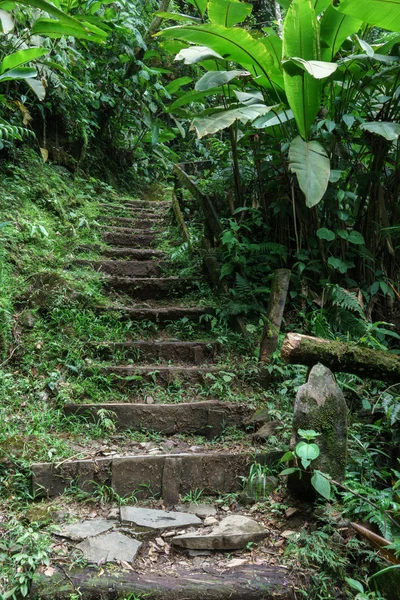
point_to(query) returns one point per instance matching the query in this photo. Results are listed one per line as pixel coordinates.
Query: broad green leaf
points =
(287, 456)
(301, 39)
(390, 131)
(56, 28)
(52, 10)
(248, 99)
(273, 44)
(316, 68)
(175, 85)
(335, 28)
(343, 234)
(311, 164)
(233, 44)
(273, 119)
(380, 13)
(18, 73)
(227, 13)
(289, 471)
(321, 484)
(214, 79)
(195, 54)
(349, 120)
(6, 21)
(320, 5)
(325, 234)
(307, 453)
(222, 120)
(355, 237)
(356, 585)
(193, 97)
(199, 4)
(338, 264)
(37, 87)
(177, 17)
(21, 57)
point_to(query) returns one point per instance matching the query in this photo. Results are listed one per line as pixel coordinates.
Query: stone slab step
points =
(134, 212)
(165, 351)
(138, 222)
(148, 203)
(162, 475)
(146, 288)
(246, 582)
(130, 240)
(159, 374)
(126, 268)
(165, 314)
(134, 253)
(204, 418)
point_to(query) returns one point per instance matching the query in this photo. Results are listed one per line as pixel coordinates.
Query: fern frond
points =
(343, 299)
(343, 321)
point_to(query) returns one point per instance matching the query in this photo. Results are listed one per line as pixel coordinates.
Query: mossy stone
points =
(320, 405)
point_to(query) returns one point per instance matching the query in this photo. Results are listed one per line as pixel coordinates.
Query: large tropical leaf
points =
(18, 73)
(381, 13)
(273, 118)
(390, 131)
(233, 44)
(201, 5)
(195, 54)
(6, 21)
(19, 58)
(193, 96)
(335, 28)
(56, 28)
(228, 13)
(214, 79)
(52, 10)
(177, 17)
(301, 39)
(320, 5)
(37, 87)
(222, 120)
(316, 68)
(311, 164)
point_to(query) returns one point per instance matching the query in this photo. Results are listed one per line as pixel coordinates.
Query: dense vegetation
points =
(287, 116)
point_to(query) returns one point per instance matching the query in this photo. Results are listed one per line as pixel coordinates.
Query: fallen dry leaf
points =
(49, 572)
(235, 562)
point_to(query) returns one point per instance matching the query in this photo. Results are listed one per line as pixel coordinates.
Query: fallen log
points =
(341, 356)
(252, 582)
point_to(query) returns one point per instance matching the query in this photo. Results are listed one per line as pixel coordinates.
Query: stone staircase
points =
(140, 275)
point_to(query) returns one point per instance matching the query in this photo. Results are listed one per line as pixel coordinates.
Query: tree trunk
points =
(276, 306)
(341, 356)
(253, 582)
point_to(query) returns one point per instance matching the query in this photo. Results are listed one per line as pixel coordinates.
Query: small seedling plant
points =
(306, 452)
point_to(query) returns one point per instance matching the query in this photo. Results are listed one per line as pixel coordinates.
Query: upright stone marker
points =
(320, 405)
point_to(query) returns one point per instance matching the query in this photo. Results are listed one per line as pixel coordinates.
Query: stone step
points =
(164, 314)
(161, 475)
(134, 253)
(126, 268)
(160, 374)
(135, 212)
(130, 240)
(150, 288)
(203, 418)
(249, 582)
(165, 351)
(138, 222)
(144, 204)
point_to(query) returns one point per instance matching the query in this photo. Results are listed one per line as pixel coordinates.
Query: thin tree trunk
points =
(276, 306)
